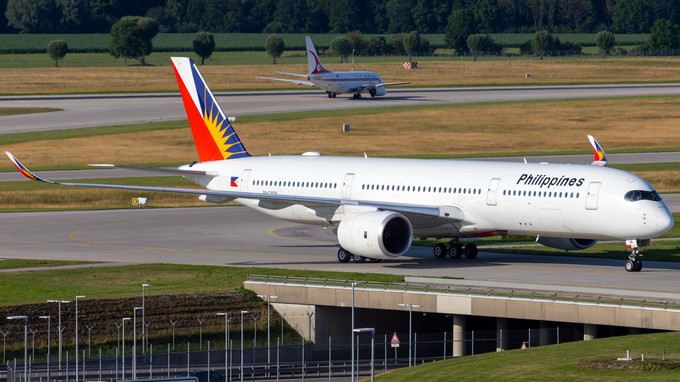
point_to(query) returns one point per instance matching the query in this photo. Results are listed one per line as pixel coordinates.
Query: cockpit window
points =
(635, 195)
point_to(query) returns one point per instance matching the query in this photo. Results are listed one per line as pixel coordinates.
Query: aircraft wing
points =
(441, 212)
(392, 84)
(296, 82)
(293, 74)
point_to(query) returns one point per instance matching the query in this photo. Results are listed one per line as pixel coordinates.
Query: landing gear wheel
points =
(456, 251)
(471, 251)
(439, 251)
(359, 259)
(630, 266)
(634, 264)
(638, 265)
(344, 256)
(330, 95)
(356, 95)
(334, 94)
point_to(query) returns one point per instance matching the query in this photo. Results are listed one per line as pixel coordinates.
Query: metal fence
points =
(328, 358)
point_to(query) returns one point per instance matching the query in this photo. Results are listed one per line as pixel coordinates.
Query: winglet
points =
(24, 171)
(599, 158)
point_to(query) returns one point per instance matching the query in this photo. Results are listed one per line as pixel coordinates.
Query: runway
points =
(80, 111)
(238, 236)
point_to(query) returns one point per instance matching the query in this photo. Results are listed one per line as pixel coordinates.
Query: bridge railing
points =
(497, 293)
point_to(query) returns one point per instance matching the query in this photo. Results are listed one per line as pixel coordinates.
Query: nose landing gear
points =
(634, 264)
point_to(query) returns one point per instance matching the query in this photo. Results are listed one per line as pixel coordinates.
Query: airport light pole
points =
(241, 371)
(134, 341)
(354, 284)
(410, 331)
(77, 298)
(372, 331)
(25, 318)
(59, 329)
(269, 298)
(123, 347)
(226, 345)
(49, 343)
(144, 344)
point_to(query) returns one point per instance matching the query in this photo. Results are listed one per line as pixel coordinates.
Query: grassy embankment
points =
(576, 361)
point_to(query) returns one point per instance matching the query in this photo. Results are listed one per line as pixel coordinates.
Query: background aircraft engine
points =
(376, 235)
(380, 91)
(566, 243)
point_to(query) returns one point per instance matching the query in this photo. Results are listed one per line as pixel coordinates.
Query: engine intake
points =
(376, 235)
(566, 243)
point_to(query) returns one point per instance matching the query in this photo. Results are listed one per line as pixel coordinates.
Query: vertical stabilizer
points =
(599, 157)
(214, 136)
(313, 61)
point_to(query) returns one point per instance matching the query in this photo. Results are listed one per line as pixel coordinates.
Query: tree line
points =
(339, 16)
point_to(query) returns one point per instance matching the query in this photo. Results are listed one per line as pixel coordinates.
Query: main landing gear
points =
(344, 256)
(356, 96)
(633, 264)
(455, 250)
(331, 94)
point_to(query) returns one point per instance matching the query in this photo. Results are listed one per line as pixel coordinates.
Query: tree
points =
(32, 16)
(274, 46)
(204, 45)
(461, 24)
(541, 42)
(57, 50)
(342, 47)
(131, 38)
(605, 40)
(377, 45)
(631, 16)
(664, 35)
(359, 44)
(478, 43)
(411, 43)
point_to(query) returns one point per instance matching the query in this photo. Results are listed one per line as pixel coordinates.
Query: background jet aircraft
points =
(335, 83)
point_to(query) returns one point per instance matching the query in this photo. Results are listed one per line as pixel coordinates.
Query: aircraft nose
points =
(664, 220)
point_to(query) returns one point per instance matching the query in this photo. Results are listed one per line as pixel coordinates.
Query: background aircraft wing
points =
(448, 213)
(392, 84)
(293, 81)
(292, 74)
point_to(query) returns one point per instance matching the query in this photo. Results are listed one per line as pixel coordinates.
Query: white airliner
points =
(378, 205)
(335, 83)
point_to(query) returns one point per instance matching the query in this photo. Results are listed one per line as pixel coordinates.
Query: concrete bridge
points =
(318, 308)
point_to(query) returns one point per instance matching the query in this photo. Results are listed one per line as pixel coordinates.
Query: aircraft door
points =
(347, 186)
(591, 197)
(492, 192)
(243, 180)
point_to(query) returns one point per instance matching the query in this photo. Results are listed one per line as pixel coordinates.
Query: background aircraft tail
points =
(313, 61)
(214, 136)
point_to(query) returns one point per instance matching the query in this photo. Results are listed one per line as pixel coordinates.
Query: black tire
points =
(471, 251)
(372, 92)
(630, 266)
(439, 251)
(334, 94)
(456, 251)
(330, 95)
(638, 265)
(359, 259)
(344, 256)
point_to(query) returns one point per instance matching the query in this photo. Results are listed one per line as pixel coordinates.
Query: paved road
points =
(238, 236)
(106, 110)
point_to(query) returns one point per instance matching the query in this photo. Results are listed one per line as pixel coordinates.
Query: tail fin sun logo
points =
(234, 181)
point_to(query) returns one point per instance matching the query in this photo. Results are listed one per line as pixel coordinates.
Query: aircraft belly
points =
(291, 212)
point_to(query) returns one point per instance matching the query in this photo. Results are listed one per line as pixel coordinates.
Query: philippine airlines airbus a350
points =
(335, 83)
(378, 205)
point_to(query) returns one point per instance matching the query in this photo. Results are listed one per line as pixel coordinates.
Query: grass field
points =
(23, 43)
(576, 361)
(99, 73)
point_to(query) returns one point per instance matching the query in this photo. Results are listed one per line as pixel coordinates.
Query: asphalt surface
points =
(238, 236)
(108, 110)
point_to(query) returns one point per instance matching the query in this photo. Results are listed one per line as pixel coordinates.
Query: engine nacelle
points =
(376, 235)
(566, 243)
(380, 91)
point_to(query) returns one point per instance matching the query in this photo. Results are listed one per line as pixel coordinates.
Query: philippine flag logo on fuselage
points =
(234, 181)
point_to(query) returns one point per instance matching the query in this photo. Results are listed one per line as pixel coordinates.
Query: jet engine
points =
(379, 91)
(376, 235)
(566, 243)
